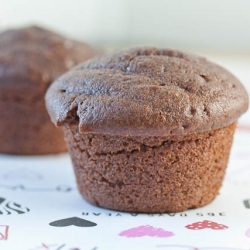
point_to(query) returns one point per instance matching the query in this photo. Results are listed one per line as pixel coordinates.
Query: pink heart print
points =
(146, 231)
(206, 224)
(248, 233)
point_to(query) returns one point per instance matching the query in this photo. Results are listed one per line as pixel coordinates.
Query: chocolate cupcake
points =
(30, 59)
(149, 130)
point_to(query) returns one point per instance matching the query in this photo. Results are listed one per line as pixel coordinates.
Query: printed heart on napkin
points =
(247, 233)
(23, 174)
(206, 224)
(146, 231)
(73, 221)
(247, 203)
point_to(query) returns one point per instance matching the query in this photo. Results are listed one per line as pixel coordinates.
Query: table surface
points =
(40, 207)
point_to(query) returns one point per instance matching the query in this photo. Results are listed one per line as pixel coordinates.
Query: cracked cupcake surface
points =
(148, 130)
(147, 91)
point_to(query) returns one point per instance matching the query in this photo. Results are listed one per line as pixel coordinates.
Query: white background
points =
(184, 24)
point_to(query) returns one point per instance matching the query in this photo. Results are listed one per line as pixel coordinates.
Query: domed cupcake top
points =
(146, 91)
(38, 55)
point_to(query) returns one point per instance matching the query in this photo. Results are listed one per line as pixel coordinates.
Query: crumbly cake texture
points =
(30, 59)
(149, 130)
(147, 91)
(150, 174)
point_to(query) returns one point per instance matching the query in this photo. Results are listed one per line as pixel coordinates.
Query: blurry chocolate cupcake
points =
(148, 130)
(30, 59)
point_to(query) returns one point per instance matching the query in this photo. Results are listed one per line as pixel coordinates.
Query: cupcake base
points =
(150, 174)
